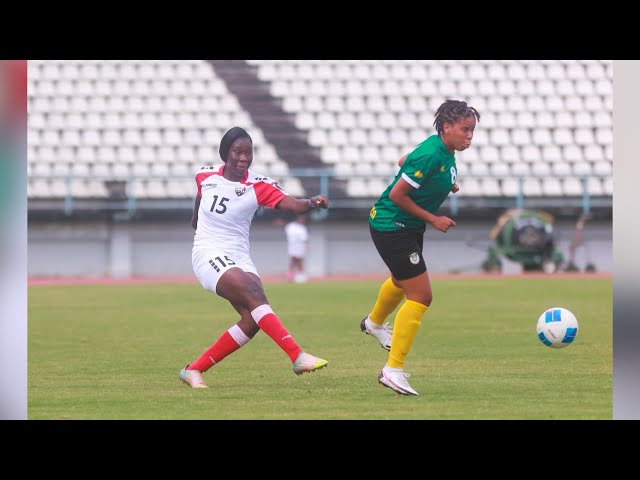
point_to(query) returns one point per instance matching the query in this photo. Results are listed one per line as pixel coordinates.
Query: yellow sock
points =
(405, 327)
(389, 297)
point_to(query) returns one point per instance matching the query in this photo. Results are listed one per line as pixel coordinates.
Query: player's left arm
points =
(303, 205)
(455, 188)
(270, 194)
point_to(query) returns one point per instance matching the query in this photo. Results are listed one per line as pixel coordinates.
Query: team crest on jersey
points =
(414, 258)
(442, 168)
(418, 174)
(240, 190)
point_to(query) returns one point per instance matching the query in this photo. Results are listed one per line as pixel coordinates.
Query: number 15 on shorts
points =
(223, 263)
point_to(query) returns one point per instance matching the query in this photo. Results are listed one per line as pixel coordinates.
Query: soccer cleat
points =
(396, 380)
(307, 363)
(382, 333)
(193, 378)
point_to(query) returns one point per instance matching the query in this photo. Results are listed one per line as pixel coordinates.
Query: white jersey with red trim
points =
(227, 208)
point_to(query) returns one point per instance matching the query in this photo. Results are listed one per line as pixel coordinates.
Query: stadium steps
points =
(276, 124)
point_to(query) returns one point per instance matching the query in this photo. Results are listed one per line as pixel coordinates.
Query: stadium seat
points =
(510, 187)
(544, 87)
(531, 153)
(563, 136)
(120, 171)
(520, 169)
(555, 71)
(541, 169)
(572, 153)
(574, 103)
(469, 187)
(500, 137)
(480, 168)
(564, 119)
(500, 169)
(572, 186)
(531, 187)
(561, 168)
(520, 137)
(489, 154)
(604, 136)
(603, 168)
(552, 154)
(581, 168)
(325, 120)
(545, 119)
(490, 187)
(551, 186)
(602, 119)
(583, 120)
(541, 137)
(536, 71)
(595, 154)
(593, 103)
(594, 187)
(468, 156)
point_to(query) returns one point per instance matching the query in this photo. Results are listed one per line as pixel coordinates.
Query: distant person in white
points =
(298, 246)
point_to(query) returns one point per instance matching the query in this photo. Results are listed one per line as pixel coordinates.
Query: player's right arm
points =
(194, 217)
(201, 174)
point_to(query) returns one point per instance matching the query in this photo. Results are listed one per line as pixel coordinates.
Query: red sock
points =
(229, 342)
(272, 326)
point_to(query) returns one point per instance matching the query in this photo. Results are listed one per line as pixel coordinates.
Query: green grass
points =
(113, 352)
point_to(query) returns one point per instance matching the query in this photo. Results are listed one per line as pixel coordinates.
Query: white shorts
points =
(297, 250)
(209, 264)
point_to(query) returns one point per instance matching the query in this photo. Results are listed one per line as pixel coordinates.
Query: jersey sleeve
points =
(416, 168)
(269, 193)
(201, 175)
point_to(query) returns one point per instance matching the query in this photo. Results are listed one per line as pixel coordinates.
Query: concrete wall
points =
(123, 249)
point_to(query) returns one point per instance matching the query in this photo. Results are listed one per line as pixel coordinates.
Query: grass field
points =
(114, 351)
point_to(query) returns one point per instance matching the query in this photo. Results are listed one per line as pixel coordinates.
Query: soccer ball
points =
(557, 327)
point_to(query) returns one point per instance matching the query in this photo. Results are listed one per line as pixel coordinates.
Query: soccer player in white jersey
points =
(228, 196)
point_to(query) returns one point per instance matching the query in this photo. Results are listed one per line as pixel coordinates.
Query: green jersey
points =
(431, 170)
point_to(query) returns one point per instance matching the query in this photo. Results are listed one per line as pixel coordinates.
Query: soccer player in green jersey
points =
(397, 223)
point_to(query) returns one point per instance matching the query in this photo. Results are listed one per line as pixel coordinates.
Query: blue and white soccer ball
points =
(557, 327)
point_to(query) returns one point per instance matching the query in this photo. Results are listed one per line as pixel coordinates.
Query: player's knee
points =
(254, 293)
(426, 298)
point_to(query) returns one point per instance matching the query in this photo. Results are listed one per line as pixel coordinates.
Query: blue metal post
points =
(585, 195)
(68, 199)
(453, 199)
(520, 197)
(131, 197)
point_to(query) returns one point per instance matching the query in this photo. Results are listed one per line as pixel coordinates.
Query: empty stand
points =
(88, 111)
(547, 122)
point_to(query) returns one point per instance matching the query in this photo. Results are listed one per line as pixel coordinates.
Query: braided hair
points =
(451, 111)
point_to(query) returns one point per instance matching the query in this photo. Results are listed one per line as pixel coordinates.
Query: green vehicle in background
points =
(526, 237)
